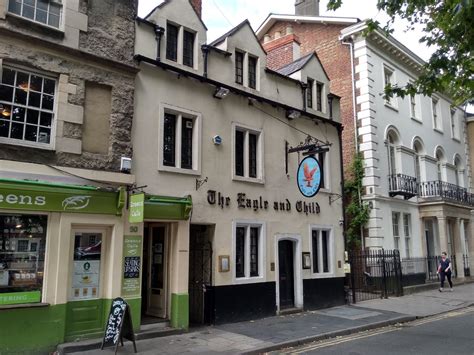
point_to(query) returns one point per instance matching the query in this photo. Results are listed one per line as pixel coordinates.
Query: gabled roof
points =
(166, 2)
(295, 66)
(273, 18)
(300, 63)
(233, 31)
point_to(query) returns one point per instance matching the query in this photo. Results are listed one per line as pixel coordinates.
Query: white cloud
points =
(221, 15)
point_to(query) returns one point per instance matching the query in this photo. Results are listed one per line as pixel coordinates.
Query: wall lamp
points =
(293, 114)
(221, 93)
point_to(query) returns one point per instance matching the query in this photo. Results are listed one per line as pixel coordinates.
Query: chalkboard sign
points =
(119, 325)
(131, 267)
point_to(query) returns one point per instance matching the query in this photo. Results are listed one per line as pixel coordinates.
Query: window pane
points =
(319, 96)
(254, 236)
(240, 252)
(18, 114)
(8, 76)
(28, 11)
(22, 249)
(325, 250)
(35, 99)
(252, 72)
(46, 119)
(315, 241)
(252, 155)
(15, 6)
(4, 128)
(44, 135)
(49, 86)
(187, 143)
(36, 83)
(188, 48)
(42, 4)
(53, 20)
(6, 93)
(41, 16)
(309, 93)
(239, 153)
(171, 42)
(20, 96)
(48, 102)
(169, 140)
(239, 67)
(395, 218)
(17, 131)
(31, 133)
(86, 269)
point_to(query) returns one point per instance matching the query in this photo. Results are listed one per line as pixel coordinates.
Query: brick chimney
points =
(307, 7)
(282, 47)
(197, 4)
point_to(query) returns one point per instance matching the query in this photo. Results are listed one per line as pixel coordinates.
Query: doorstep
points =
(156, 330)
(287, 311)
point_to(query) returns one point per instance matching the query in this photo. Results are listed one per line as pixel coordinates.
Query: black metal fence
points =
(417, 271)
(466, 265)
(375, 274)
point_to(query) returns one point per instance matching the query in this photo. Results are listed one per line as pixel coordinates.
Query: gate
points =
(375, 274)
(200, 281)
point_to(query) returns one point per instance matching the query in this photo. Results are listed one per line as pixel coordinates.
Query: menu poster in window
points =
(85, 281)
(132, 249)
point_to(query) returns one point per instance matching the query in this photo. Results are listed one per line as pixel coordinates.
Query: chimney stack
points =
(307, 7)
(197, 4)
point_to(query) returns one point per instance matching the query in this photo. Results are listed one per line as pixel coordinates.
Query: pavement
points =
(268, 334)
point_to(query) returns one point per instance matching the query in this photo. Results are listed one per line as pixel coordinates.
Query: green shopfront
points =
(60, 246)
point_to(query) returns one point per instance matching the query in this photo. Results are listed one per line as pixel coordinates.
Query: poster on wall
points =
(309, 176)
(85, 280)
(132, 249)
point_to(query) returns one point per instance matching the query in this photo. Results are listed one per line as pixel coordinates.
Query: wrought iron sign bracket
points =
(334, 197)
(311, 146)
(200, 182)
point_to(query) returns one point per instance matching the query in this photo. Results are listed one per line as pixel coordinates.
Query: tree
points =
(447, 26)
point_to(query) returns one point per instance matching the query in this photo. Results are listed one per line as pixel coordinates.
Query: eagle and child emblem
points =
(309, 176)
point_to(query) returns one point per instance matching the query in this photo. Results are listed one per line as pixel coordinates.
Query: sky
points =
(221, 15)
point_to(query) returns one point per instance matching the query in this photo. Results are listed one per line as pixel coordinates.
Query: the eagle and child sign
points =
(309, 176)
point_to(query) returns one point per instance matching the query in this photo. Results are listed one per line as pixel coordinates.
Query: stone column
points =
(458, 240)
(424, 247)
(442, 235)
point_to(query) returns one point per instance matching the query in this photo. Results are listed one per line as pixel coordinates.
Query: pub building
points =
(259, 153)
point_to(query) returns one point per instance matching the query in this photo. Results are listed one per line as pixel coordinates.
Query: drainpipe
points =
(343, 198)
(205, 52)
(350, 43)
(159, 32)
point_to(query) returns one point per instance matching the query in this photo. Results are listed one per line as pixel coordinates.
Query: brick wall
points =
(280, 52)
(334, 56)
(197, 4)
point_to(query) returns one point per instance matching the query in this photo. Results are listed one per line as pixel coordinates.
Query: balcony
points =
(445, 191)
(402, 185)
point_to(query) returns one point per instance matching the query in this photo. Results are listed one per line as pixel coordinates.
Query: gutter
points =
(343, 195)
(140, 58)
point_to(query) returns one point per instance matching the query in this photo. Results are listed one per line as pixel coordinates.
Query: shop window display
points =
(22, 252)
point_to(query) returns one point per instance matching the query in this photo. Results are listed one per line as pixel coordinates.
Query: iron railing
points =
(417, 271)
(405, 185)
(446, 191)
(466, 265)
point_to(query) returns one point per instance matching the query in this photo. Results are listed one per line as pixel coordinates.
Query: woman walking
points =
(444, 270)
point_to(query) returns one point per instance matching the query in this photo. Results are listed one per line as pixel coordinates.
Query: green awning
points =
(35, 195)
(168, 208)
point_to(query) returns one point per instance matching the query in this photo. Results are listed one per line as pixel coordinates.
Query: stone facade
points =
(102, 53)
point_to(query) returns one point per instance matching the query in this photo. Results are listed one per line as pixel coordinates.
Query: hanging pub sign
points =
(119, 325)
(308, 176)
(137, 208)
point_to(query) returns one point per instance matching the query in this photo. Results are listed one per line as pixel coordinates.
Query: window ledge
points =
(23, 305)
(34, 25)
(326, 275)
(21, 143)
(248, 179)
(171, 169)
(390, 106)
(438, 130)
(457, 139)
(248, 280)
(416, 119)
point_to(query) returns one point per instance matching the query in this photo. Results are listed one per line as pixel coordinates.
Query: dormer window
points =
(239, 68)
(309, 93)
(172, 32)
(188, 48)
(319, 96)
(47, 12)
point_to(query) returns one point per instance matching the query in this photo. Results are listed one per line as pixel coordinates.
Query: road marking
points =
(365, 334)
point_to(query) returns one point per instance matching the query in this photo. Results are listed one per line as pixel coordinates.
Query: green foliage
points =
(357, 213)
(447, 26)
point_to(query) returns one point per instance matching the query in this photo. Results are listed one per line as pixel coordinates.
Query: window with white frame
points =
(246, 69)
(180, 145)
(27, 102)
(176, 34)
(407, 233)
(248, 250)
(47, 12)
(321, 250)
(248, 153)
(392, 142)
(437, 120)
(389, 79)
(455, 132)
(396, 229)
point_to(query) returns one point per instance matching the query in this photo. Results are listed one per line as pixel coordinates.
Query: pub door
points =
(286, 274)
(155, 271)
(200, 275)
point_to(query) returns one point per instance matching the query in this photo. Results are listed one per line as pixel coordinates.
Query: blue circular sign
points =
(309, 176)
